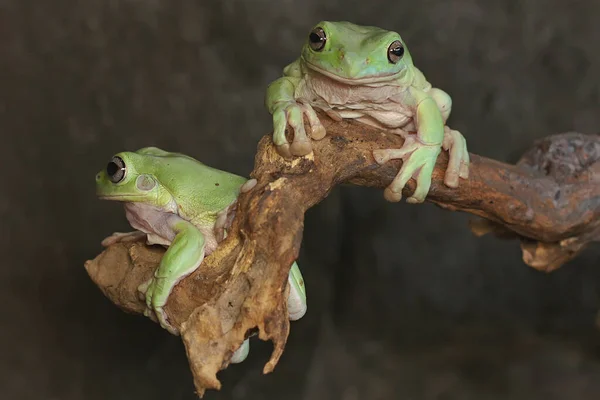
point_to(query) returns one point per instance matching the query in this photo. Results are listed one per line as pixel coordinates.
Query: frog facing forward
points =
(178, 202)
(367, 73)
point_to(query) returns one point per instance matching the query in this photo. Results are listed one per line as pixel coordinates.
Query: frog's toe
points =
(150, 295)
(164, 321)
(393, 193)
(381, 156)
(242, 353)
(143, 288)
(391, 196)
(423, 184)
(464, 170)
(318, 132)
(420, 194)
(301, 148)
(451, 177)
(248, 186)
(279, 125)
(466, 162)
(455, 159)
(284, 150)
(301, 143)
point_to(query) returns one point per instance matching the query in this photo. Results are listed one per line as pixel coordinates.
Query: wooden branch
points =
(550, 200)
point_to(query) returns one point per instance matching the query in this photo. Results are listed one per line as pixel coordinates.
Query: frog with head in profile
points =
(178, 202)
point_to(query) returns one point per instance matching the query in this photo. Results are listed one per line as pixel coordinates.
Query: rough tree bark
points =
(550, 201)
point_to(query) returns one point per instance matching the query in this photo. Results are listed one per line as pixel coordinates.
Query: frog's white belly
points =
(380, 106)
(158, 224)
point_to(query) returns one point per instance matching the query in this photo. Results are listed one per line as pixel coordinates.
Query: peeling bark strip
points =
(550, 200)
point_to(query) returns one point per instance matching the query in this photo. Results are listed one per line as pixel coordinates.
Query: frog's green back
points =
(200, 191)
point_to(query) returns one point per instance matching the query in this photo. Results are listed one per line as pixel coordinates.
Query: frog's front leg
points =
(419, 152)
(454, 142)
(184, 256)
(284, 108)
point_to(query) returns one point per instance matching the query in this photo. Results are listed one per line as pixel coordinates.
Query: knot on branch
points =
(570, 163)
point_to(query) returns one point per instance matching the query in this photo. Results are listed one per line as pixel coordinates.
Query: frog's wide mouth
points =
(354, 81)
(120, 197)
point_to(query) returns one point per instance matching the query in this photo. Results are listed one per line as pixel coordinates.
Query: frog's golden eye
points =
(116, 169)
(395, 51)
(317, 39)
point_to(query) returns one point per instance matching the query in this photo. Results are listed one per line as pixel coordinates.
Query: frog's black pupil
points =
(315, 38)
(112, 168)
(398, 51)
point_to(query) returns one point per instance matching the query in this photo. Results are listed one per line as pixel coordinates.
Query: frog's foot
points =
(242, 353)
(153, 291)
(122, 237)
(459, 160)
(418, 161)
(296, 301)
(248, 186)
(292, 114)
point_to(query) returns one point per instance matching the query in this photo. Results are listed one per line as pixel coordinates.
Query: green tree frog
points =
(367, 73)
(178, 202)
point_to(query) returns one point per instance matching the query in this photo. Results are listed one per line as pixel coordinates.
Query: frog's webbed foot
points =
(292, 114)
(418, 161)
(459, 160)
(122, 237)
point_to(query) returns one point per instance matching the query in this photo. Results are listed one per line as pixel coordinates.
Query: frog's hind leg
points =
(454, 142)
(296, 301)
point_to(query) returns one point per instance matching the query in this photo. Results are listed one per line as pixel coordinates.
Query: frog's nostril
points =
(97, 177)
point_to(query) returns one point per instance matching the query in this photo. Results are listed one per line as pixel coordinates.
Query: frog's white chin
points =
(355, 81)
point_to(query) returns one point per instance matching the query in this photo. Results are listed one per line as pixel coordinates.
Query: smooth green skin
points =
(180, 199)
(351, 77)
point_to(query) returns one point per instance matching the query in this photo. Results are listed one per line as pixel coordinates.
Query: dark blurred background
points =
(404, 303)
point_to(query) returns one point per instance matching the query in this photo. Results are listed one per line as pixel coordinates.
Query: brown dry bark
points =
(550, 200)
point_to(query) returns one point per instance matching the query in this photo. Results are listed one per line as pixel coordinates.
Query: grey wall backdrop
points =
(404, 303)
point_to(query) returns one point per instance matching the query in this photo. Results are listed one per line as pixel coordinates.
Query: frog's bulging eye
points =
(395, 51)
(116, 169)
(317, 39)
